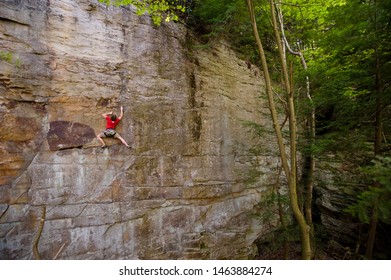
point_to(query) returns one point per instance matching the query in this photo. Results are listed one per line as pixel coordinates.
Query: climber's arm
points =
(122, 113)
(107, 114)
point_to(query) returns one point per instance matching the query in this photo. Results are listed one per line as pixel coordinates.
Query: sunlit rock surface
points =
(182, 192)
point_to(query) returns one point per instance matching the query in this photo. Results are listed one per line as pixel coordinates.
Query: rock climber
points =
(111, 123)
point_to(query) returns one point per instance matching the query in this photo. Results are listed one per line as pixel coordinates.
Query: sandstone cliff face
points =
(180, 193)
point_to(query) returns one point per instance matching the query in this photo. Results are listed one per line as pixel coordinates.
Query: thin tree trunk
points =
(375, 211)
(372, 230)
(304, 229)
(290, 171)
(377, 149)
(310, 126)
(281, 215)
(269, 92)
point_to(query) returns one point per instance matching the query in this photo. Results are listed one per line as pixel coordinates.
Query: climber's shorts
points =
(109, 133)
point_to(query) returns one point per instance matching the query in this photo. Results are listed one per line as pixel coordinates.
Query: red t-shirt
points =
(111, 124)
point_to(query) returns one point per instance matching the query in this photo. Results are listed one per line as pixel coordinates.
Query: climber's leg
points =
(121, 139)
(99, 136)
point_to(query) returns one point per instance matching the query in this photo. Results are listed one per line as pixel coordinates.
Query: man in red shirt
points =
(111, 124)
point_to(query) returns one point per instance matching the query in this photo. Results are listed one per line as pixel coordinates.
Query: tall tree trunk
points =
(375, 207)
(281, 215)
(290, 171)
(304, 228)
(310, 130)
(377, 151)
(269, 92)
(377, 147)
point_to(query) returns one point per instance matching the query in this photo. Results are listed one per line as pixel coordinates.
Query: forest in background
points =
(338, 59)
(327, 67)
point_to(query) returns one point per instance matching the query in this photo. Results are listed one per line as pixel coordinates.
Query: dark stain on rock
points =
(103, 102)
(66, 135)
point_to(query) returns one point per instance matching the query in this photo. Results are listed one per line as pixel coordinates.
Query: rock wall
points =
(337, 186)
(181, 192)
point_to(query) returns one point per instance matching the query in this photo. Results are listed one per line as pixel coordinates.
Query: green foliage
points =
(258, 130)
(6, 56)
(212, 17)
(305, 18)
(159, 10)
(346, 44)
(9, 57)
(350, 70)
(228, 20)
(379, 196)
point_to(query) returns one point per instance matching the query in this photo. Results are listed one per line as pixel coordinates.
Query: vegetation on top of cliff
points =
(159, 10)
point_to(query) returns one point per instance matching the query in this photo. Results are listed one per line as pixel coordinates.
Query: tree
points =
(303, 19)
(309, 127)
(289, 165)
